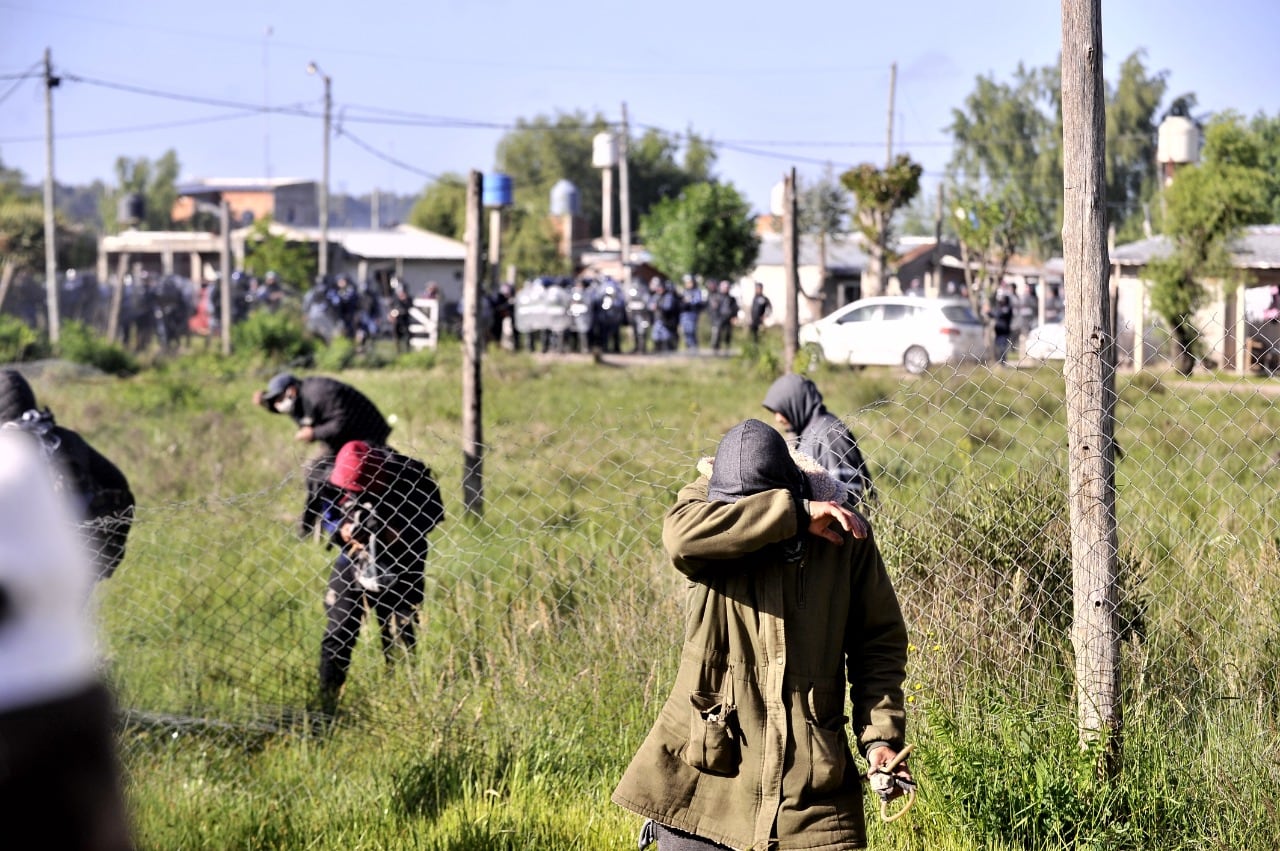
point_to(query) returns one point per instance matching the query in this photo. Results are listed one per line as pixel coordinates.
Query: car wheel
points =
(916, 360)
(814, 357)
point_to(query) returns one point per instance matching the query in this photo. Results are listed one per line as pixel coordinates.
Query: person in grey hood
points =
(793, 634)
(797, 406)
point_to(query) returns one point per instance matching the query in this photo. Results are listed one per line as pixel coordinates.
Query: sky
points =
(420, 89)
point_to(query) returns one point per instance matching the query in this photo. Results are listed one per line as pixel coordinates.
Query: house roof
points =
(404, 242)
(216, 185)
(1258, 247)
(844, 252)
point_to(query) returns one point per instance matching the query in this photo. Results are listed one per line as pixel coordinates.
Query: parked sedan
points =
(909, 330)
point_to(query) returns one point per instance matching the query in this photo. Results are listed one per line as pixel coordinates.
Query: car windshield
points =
(961, 314)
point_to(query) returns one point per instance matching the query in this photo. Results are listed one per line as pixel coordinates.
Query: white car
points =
(909, 330)
(1046, 342)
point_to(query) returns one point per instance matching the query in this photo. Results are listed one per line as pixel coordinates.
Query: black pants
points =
(721, 334)
(395, 607)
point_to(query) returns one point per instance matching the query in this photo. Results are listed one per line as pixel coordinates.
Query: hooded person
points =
(59, 773)
(96, 488)
(792, 633)
(390, 502)
(797, 406)
(331, 414)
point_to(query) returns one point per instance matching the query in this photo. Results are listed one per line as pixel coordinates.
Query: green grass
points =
(551, 625)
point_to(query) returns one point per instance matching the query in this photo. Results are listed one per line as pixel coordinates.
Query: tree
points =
(442, 207)
(155, 182)
(989, 229)
(822, 211)
(1009, 134)
(1205, 208)
(708, 231)
(544, 150)
(267, 252)
(881, 192)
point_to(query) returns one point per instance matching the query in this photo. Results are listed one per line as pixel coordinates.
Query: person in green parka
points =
(788, 609)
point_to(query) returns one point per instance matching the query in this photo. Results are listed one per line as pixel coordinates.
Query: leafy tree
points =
(544, 150)
(22, 245)
(1267, 130)
(881, 192)
(822, 211)
(1205, 208)
(708, 230)
(155, 181)
(268, 252)
(1009, 134)
(442, 207)
(989, 229)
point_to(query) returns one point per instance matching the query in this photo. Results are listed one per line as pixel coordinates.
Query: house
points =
(920, 261)
(412, 255)
(1228, 317)
(288, 200)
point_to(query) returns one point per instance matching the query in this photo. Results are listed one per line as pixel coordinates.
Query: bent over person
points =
(327, 412)
(788, 606)
(389, 504)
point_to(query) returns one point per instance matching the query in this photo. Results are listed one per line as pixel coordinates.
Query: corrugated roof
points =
(843, 253)
(404, 242)
(1258, 247)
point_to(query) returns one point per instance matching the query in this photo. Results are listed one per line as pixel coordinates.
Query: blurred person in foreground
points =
(330, 413)
(59, 776)
(788, 606)
(797, 407)
(94, 486)
(390, 502)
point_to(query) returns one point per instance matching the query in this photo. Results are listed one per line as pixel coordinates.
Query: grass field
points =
(551, 622)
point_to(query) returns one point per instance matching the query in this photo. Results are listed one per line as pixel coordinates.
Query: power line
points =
(387, 158)
(18, 79)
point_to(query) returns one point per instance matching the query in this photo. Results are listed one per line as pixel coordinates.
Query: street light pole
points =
(313, 68)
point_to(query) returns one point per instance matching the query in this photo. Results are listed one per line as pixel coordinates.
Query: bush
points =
(277, 336)
(19, 341)
(81, 344)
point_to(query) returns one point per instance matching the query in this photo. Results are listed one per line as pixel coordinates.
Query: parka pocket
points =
(713, 744)
(828, 754)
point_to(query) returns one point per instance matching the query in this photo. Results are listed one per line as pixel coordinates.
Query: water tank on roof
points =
(604, 150)
(497, 190)
(564, 199)
(131, 209)
(1178, 141)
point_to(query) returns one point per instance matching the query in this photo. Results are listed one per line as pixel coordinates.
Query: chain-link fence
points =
(550, 628)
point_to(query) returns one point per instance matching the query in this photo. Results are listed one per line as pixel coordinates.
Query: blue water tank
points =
(564, 199)
(497, 190)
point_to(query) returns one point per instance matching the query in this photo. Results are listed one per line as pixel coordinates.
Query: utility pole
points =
(937, 243)
(888, 144)
(224, 278)
(323, 267)
(791, 271)
(624, 203)
(1090, 386)
(50, 231)
(472, 353)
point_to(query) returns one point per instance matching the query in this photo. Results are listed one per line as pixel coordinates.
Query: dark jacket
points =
(820, 434)
(394, 515)
(751, 744)
(339, 413)
(97, 489)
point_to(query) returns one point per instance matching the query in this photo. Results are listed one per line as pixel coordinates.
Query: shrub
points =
(19, 341)
(277, 336)
(81, 344)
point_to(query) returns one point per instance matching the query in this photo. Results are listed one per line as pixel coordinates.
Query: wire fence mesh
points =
(550, 626)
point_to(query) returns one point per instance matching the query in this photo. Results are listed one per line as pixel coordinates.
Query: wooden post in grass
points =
(790, 265)
(1090, 385)
(472, 353)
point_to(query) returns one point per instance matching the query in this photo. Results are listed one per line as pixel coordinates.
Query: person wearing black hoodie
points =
(96, 487)
(328, 412)
(797, 405)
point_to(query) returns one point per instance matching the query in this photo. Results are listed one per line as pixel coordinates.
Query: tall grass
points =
(551, 624)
